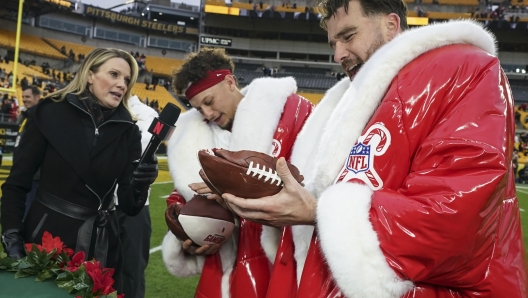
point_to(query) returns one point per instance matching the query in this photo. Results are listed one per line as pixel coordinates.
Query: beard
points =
(377, 43)
(228, 125)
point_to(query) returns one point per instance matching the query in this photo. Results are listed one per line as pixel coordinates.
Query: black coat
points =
(79, 164)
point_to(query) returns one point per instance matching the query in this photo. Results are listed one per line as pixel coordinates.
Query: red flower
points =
(120, 295)
(29, 246)
(69, 252)
(76, 262)
(48, 244)
(102, 279)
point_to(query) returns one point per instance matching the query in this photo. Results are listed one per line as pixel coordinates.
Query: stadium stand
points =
(314, 98)
(248, 66)
(162, 66)
(77, 48)
(30, 44)
(307, 70)
(520, 91)
(160, 94)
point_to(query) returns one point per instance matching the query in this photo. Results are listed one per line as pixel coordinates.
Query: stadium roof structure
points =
(33, 8)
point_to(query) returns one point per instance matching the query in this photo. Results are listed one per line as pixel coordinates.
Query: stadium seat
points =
(29, 44)
(77, 48)
(162, 66)
(160, 94)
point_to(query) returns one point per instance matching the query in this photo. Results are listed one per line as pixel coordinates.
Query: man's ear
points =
(392, 26)
(231, 82)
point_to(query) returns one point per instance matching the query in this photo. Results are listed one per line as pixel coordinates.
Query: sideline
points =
(155, 249)
(162, 182)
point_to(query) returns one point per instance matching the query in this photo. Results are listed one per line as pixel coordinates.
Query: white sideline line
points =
(163, 182)
(521, 186)
(523, 191)
(155, 249)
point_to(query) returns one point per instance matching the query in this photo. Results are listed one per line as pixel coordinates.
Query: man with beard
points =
(407, 165)
(265, 116)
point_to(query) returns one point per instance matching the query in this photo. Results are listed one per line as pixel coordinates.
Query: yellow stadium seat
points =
(77, 48)
(29, 44)
(314, 98)
(162, 66)
(160, 94)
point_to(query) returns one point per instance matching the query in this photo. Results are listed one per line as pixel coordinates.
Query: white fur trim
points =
(191, 134)
(270, 239)
(302, 236)
(351, 246)
(258, 114)
(176, 261)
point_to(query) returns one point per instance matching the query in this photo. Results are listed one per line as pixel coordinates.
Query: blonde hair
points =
(92, 62)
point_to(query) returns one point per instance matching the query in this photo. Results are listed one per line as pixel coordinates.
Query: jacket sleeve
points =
(440, 225)
(29, 157)
(131, 201)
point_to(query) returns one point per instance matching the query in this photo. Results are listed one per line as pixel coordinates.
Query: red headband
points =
(213, 77)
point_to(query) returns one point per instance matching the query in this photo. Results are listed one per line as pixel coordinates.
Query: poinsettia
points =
(102, 278)
(76, 262)
(49, 243)
(51, 260)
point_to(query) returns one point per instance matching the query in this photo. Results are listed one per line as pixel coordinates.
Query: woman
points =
(84, 140)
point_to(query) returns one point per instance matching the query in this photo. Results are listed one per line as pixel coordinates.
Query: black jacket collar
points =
(64, 123)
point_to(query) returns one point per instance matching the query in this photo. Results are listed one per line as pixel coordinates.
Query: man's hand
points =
(201, 188)
(293, 205)
(207, 249)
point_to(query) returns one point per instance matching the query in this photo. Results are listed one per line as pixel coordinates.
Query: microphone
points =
(161, 129)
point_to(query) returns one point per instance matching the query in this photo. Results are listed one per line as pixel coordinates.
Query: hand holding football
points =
(201, 220)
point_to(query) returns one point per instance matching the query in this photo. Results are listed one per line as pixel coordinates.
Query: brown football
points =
(202, 220)
(245, 174)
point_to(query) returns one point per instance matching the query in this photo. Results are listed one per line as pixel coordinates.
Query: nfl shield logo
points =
(358, 159)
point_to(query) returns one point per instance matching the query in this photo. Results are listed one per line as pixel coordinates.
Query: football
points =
(245, 174)
(201, 220)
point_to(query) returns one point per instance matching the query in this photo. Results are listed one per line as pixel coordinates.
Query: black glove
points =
(145, 174)
(13, 243)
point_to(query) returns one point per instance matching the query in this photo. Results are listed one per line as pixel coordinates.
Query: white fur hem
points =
(269, 239)
(351, 246)
(177, 262)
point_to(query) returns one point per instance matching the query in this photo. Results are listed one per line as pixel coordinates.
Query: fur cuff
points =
(351, 246)
(177, 262)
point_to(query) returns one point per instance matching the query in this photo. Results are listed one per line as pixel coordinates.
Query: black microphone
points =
(161, 129)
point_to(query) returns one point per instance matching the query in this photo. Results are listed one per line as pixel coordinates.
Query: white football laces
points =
(268, 174)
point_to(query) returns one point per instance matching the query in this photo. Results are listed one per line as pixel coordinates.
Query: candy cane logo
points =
(275, 148)
(360, 161)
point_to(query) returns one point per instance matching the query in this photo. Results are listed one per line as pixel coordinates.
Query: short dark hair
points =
(328, 8)
(196, 65)
(34, 89)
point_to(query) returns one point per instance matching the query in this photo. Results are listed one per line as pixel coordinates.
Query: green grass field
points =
(160, 283)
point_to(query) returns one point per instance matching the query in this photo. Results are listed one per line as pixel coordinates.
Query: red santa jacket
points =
(413, 176)
(267, 120)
